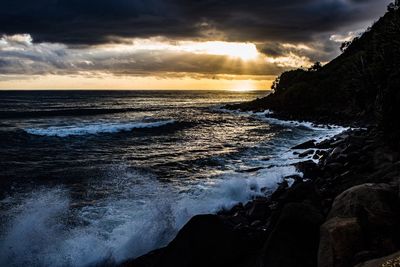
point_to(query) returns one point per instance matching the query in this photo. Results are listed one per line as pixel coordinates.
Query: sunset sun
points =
(243, 51)
(244, 86)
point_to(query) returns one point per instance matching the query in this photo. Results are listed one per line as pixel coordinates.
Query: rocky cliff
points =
(362, 84)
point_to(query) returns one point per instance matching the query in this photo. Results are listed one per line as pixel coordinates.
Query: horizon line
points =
(108, 89)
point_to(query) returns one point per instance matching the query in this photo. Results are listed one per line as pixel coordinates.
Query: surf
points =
(95, 128)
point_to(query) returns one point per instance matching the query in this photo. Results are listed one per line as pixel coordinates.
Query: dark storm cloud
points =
(68, 37)
(18, 55)
(101, 21)
(88, 22)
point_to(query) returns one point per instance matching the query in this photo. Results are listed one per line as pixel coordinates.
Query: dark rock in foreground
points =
(337, 217)
(206, 240)
(363, 222)
(294, 240)
(306, 145)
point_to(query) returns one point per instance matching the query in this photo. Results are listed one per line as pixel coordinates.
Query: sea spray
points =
(119, 227)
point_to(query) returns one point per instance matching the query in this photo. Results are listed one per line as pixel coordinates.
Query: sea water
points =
(104, 176)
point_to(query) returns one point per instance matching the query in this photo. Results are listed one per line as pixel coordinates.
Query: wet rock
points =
(250, 170)
(364, 217)
(151, 259)
(306, 153)
(280, 190)
(206, 240)
(238, 219)
(324, 144)
(350, 148)
(259, 210)
(334, 167)
(336, 152)
(309, 169)
(321, 153)
(364, 256)
(378, 201)
(300, 192)
(256, 223)
(392, 260)
(368, 147)
(340, 239)
(235, 209)
(306, 145)
(342, 158)
(339, 142)
(294, 239)
(353, 157)
(265, 190)
(387, 173)
(391, 157)
(295, 177)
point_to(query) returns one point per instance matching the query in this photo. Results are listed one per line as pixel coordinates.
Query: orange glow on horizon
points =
(136, 83)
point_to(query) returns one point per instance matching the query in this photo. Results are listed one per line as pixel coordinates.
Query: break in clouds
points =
(166, 38)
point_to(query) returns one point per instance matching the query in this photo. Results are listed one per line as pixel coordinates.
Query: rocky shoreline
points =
(344, 211)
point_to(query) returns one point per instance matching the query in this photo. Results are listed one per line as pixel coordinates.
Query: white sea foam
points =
(121, 226)
(140, 213)
(265, 116)
(95, 128)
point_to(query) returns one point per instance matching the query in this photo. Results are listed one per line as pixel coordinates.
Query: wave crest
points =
(95, 128)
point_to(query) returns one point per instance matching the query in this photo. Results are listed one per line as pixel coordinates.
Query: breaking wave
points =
(128, 213)
(95, 128)
(38, 232)
(266, 116)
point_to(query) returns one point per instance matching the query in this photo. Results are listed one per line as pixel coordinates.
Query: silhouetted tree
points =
(394, 6)
(345, 45)
(275, 84)
(316, 67)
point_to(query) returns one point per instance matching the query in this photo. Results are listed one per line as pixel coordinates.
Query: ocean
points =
(104, 176)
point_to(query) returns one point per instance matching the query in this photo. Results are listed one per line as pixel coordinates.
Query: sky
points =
(171, 44)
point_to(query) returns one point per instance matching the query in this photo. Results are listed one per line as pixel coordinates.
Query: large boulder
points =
(375, 205)
(364, 218)
(340, 239)
(206, 240)
(306, 145)
(294, 239)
